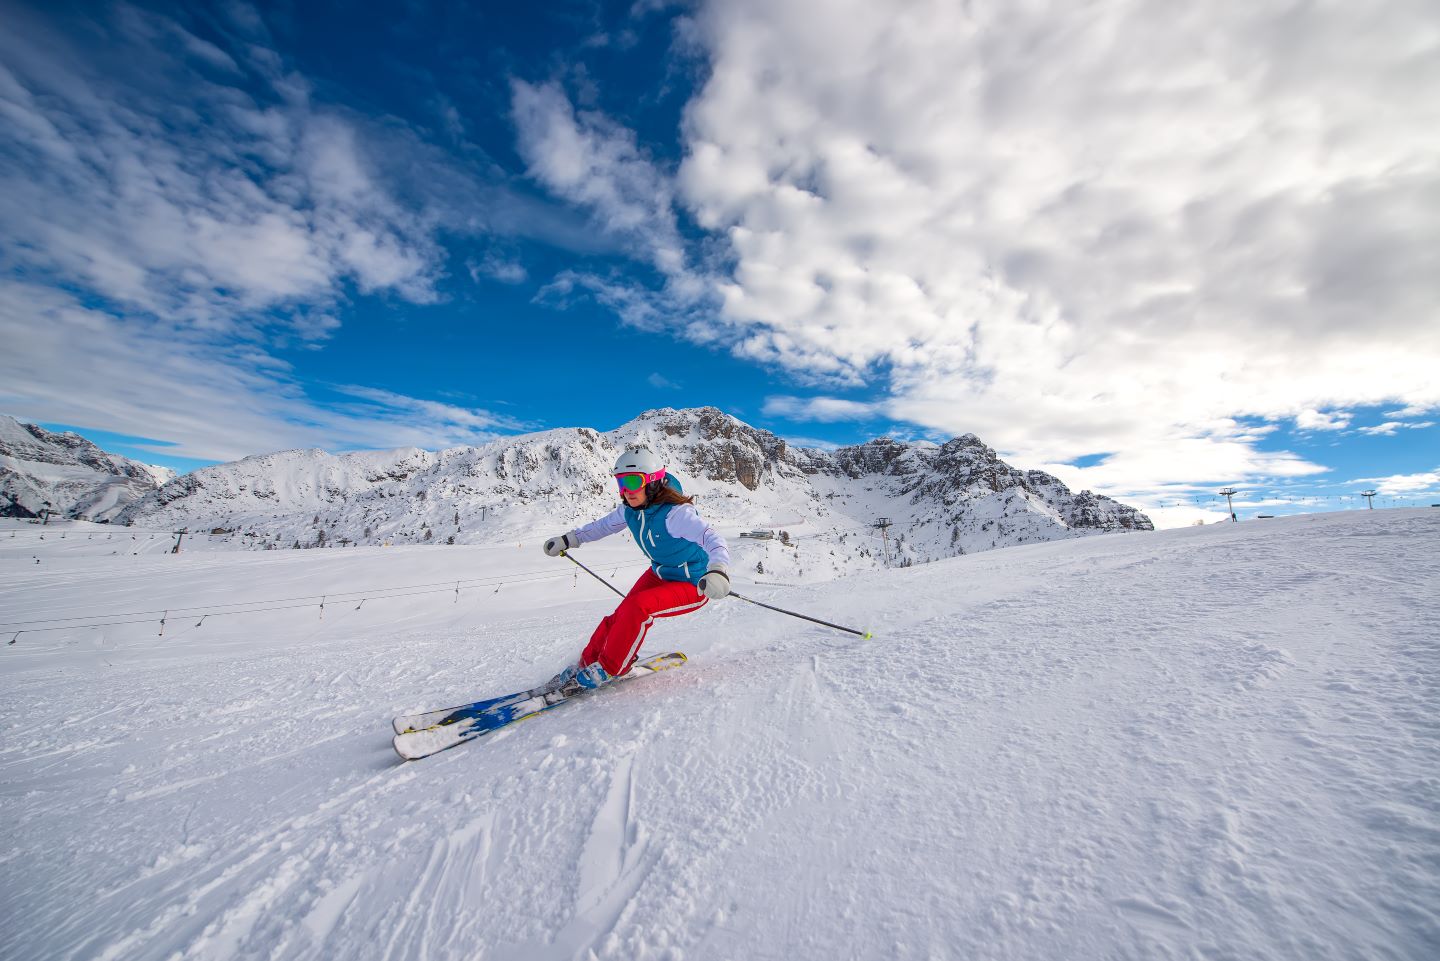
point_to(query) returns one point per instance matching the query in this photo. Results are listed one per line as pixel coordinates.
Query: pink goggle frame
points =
(635, 480)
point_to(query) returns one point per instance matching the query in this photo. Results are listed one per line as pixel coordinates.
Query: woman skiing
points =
(689, 565)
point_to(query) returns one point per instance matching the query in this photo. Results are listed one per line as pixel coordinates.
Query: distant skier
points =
(689, 565)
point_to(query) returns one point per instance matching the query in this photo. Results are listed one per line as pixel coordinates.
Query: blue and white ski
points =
(421, 735)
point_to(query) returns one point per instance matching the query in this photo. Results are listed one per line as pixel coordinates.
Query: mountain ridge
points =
(946, 499)
(882, 502)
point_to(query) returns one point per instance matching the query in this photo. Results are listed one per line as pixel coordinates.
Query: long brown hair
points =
(668, 495)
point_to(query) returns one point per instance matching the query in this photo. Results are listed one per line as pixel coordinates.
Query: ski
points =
(421, 735)
(406, 723)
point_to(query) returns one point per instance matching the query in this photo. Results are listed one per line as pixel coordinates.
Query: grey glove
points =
(556, 546)
(716, 582)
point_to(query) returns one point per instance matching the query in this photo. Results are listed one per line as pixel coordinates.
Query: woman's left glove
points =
(716, 582)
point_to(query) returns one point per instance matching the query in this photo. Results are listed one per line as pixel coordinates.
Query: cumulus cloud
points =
(1317, 420)
(1077, 229)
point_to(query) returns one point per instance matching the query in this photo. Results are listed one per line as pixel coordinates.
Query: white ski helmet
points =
(638, 460)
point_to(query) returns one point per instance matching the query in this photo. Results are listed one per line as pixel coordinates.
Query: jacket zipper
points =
(642, 539)
(654, 564)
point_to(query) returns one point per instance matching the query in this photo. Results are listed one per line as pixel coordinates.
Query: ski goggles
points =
(635, 480)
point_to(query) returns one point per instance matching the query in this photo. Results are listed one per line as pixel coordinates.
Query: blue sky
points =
(1154, 256)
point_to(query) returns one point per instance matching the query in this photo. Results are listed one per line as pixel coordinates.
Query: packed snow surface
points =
(1217, 742)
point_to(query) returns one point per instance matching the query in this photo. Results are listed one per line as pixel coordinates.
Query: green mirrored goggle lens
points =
(630, 482)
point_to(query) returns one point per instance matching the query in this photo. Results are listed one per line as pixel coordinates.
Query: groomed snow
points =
(1218, 742)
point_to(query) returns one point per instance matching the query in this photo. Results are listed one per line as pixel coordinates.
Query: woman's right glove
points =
(716, 583)
(556, 546)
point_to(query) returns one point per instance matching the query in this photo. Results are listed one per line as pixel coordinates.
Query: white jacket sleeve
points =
(611, 523)
(685, 521)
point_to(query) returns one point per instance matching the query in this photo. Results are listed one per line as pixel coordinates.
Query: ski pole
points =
(780, 610)
(592, 573)
(803, 617)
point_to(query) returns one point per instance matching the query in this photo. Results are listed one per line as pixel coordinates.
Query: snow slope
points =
(1213, 742)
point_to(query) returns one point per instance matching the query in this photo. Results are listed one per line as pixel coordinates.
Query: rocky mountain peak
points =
(706, 442)
(965, 440)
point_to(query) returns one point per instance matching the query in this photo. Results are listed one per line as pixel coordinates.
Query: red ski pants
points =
(618, 637)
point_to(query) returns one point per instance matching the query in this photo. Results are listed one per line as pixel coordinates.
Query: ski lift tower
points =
(884, 524)
(1230, 492)
(1369, 498)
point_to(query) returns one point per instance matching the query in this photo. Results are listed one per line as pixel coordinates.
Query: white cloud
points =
(430, 419)
(506, 270)
(1389, 428)
(587, 159)
(182, 212)
(811, 442)
(1400, 484)
(1148, 468)
(69, 363)
(661, 382)
(824, 409)
(1318, 420)
(195, 200)
(642, 8)
(1077, 229)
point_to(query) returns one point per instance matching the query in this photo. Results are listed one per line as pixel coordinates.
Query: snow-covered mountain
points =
(941, 500)
(67, 473)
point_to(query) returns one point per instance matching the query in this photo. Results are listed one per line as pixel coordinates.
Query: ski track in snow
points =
(1217, 742)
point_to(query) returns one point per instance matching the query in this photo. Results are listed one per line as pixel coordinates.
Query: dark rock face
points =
(1097, 512)
(880, 456)
(729, 451)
